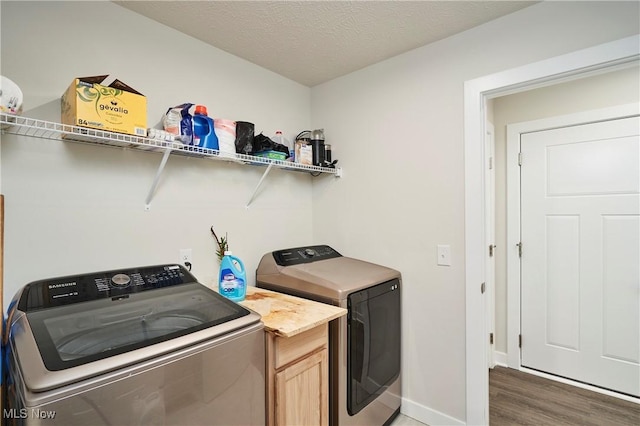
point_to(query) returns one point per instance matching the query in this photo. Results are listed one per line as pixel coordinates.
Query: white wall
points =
(73, 208)
(614, 88)
(397, 127)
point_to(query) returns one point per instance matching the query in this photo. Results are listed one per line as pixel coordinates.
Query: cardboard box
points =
(104, 103)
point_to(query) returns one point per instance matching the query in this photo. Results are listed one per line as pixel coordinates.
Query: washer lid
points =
(60, 343)
(77, 334)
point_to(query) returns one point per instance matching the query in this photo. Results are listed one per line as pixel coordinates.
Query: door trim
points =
(490, 235)
(597, 59)
(514, 131)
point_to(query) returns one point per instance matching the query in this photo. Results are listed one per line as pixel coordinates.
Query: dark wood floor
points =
(517, 398)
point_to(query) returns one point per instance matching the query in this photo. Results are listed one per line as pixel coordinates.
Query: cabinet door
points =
(301, 392)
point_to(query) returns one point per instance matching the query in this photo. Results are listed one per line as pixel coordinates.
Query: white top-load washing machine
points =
(364, 346)
(143, 346)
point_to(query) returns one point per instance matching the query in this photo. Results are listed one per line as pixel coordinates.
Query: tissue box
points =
(105, 103)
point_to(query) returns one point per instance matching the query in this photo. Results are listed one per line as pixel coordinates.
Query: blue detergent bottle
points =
(204, 135)
(232, 282)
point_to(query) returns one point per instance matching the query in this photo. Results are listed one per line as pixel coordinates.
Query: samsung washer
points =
(364, 346)
(141, 346)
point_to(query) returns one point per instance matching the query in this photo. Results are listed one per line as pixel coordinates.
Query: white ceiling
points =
(315, 41)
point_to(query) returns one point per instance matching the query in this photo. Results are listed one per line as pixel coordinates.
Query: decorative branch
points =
(222, 243)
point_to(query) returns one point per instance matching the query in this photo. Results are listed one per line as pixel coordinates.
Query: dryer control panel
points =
(298, 255)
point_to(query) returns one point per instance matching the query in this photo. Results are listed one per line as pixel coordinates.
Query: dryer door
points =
(373, 343)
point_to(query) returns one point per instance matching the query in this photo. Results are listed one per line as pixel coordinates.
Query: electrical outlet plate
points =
(185, 256)
(444, 255)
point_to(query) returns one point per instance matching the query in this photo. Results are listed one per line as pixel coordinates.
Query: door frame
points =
(593, 60)
(490, 233)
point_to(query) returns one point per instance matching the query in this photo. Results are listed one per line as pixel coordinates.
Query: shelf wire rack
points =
(25, 126)
(32, 127)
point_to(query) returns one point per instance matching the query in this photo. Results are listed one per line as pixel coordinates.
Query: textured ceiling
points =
(315, 41)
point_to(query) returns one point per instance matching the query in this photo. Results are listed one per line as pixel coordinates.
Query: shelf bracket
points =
(154, 184)
(264, 175)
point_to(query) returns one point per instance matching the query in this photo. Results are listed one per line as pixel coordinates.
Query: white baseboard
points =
(500, 358)
(427, 415)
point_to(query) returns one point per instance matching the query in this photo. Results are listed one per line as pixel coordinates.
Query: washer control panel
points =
(298, 255)
(116, 284)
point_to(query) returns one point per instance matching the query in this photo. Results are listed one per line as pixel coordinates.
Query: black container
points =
(244, 137)
(318, 152)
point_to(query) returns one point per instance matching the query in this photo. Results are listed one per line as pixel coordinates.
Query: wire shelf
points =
(25, 126)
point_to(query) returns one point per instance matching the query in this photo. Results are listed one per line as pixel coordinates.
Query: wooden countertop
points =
(286, 315)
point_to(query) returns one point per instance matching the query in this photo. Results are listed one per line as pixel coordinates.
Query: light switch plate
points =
(444, 255)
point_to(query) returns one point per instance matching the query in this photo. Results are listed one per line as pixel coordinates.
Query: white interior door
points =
(580, 267)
